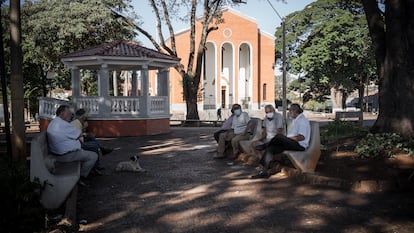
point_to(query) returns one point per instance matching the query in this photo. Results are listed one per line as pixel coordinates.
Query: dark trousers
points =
(276, 146)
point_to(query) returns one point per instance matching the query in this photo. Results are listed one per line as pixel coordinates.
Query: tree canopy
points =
(52, 28)
(330, 43)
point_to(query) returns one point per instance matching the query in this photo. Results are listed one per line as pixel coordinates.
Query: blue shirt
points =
(239, 124)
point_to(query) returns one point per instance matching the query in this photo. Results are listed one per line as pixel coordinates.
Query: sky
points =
(260, 10)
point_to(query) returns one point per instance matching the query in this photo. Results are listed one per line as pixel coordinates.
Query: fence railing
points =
(107, 107)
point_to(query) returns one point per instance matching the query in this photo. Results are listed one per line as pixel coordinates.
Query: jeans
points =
(87, 159)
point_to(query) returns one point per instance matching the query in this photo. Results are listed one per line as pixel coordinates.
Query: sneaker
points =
(96, 172)
(261, 147)
(219, 156)
(82, 182)
(261, 175)
(106, 151)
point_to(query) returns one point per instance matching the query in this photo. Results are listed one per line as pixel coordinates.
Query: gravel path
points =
(185, 190)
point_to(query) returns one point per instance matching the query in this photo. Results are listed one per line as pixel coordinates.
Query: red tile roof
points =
(121, 48)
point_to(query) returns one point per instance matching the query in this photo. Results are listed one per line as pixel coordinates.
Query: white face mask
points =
(269, 115)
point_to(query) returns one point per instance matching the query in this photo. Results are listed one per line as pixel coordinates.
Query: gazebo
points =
(137, 114)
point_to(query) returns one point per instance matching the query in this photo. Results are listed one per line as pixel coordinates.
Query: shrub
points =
(384, 144)
(21, 210)
(342, 129)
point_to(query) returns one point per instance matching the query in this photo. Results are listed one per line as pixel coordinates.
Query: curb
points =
(360, 186)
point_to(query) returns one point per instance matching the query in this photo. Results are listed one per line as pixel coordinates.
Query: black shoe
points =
(260, 147)
(106, 151)
(100, 168)
(261, 175)
(96, 172)
(82, 182)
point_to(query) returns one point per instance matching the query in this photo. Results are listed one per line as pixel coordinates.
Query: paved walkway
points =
(185, 190)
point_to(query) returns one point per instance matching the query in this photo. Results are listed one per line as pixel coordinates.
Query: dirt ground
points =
(186, 190)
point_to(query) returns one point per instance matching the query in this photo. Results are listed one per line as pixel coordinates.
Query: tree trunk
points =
(16, 82)
(336, 98)
(343, 99)
(190, 90)
(394, 56)
(361, 89)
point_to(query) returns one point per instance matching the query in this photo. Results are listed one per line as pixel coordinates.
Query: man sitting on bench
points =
(63, 141)
(297, 139)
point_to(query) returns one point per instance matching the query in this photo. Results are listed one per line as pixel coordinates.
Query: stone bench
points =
(58, 179)
(255, 129)
(354, 115)
(307, 160)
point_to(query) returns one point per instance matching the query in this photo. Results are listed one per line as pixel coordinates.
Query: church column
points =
(103, 91)
(134, 88)
(145, 103)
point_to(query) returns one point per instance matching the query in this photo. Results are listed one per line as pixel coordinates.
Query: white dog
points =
(130, 166)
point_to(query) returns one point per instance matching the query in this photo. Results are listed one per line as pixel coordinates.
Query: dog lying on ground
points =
(130, 166)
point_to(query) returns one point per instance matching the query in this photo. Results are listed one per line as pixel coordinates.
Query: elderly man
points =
(238, 133)
(297, 139)
(63, 140)
(272, 125)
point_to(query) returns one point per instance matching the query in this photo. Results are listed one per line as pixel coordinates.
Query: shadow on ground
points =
(185, 190)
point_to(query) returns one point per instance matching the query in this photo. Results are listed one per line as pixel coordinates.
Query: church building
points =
(238, 65)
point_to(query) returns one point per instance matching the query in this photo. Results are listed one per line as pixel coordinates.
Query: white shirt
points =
(62, 136)
(239, 123)
(272, 125)
(300, 126)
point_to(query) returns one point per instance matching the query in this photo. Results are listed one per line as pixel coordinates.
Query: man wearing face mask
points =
(238, 133)
(272, 125)
(297, 139)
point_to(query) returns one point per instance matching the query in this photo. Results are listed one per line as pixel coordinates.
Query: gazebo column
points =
(103, 91)
(144, 105)
(134, 88)
(76, 84)
(163, 87)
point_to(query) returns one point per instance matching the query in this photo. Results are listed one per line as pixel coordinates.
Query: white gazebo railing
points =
(114, 107)
(48, 106)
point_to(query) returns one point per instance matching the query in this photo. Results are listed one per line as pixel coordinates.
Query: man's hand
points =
(298, 138)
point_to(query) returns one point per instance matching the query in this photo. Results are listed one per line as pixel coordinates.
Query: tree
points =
(391, 26)
(56, 27)
(16, 82)
(190, 72)
(329, 42)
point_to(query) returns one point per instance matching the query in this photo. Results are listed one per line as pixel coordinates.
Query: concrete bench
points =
(256, 134)
(307, 160)
(59, 179)
(197, 123)
(354, 115)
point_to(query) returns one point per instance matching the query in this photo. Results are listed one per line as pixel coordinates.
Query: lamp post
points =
(284, 84)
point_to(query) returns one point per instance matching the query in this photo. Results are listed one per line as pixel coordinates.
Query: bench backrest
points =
(314, 146)
(254, 127)
(39, 158)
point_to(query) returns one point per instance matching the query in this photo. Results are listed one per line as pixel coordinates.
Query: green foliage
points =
(20, 209)
(315, 106)
(329, 41)
(342, 129)
(384, 144)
